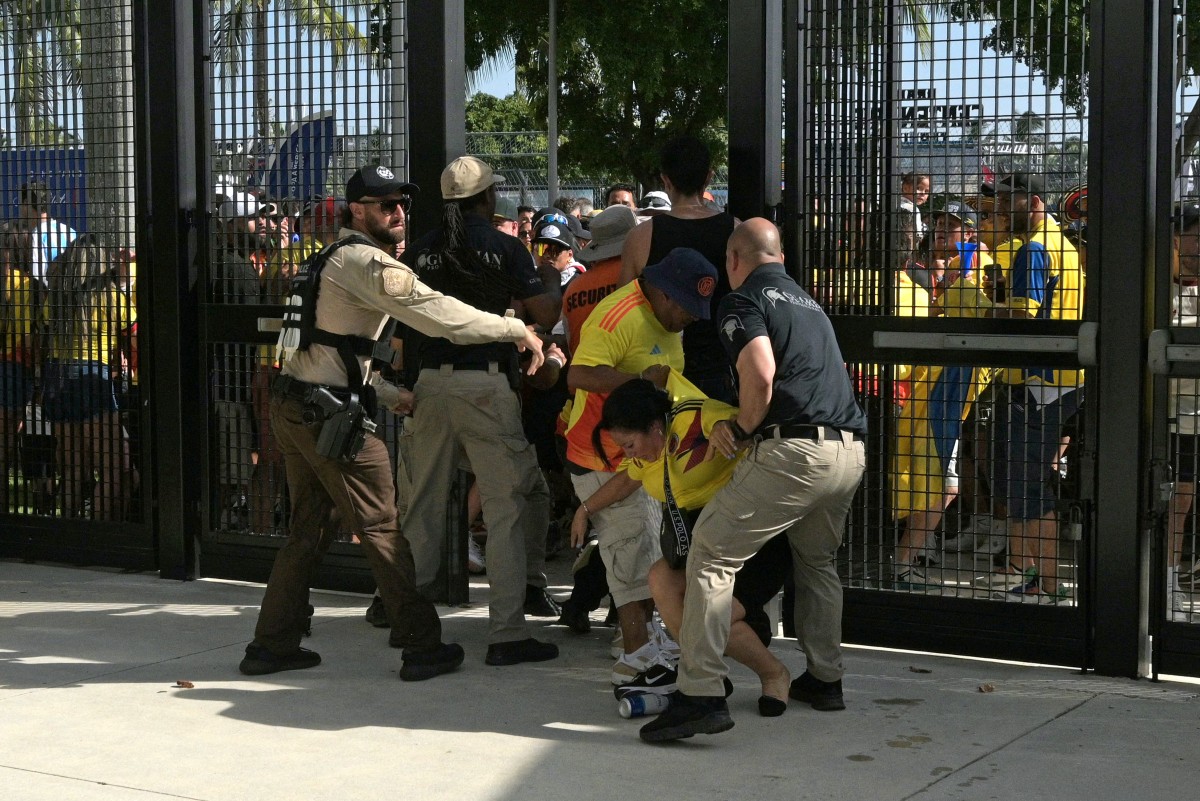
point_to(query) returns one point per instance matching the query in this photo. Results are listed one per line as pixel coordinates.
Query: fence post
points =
(437, 95)
(1123, 103)
(169, 167)
(755, 107)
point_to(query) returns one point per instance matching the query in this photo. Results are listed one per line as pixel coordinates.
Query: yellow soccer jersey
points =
(622, 332)
(696, 475)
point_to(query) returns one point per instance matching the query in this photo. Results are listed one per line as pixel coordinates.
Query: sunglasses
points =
(552, 217)
(390, 206)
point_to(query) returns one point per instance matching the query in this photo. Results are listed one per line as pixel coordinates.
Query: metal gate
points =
(1174, 356)
(927, 144)
(73, 465)
(296, 102)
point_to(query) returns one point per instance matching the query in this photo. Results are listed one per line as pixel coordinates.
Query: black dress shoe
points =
(518, 651)
(574, 618)
(377, 615)
(825, 696)
(430, 662)
(538, 603)
(259, 661)
(688, 715)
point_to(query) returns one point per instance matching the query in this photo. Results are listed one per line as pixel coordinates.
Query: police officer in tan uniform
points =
(361, 287)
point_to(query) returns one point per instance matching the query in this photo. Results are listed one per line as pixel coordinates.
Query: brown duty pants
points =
(363, 493)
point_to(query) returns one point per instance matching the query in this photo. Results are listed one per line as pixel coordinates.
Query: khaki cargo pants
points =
(797, 485)
(476, 413)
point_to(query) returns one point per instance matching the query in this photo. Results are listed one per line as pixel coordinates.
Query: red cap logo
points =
(705, 286)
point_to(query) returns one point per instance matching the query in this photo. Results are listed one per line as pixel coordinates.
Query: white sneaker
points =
(662, 639)
(629, 666)
(991, 535)
(475, 562)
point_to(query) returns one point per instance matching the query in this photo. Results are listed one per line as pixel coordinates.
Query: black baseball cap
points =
(552, 231)
(1021, 182)
(376, 181)
(957, 208)
(1187, 213)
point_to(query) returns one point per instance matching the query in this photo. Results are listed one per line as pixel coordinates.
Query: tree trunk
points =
(262, 95)
(108, 125)
(27, 62)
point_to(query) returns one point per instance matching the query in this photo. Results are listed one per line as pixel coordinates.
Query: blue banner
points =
(61, 169)
(298, 168)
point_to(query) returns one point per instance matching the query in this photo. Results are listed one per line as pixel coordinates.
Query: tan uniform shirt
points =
(361, 287)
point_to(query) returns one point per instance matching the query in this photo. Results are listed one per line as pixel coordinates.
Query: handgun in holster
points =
(345, 424)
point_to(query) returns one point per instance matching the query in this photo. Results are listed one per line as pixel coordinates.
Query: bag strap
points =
(678, 526)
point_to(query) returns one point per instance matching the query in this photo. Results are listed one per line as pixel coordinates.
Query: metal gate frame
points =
(1107, 632)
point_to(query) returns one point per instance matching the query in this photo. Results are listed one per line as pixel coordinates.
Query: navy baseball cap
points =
(687, 278)
(376, 181)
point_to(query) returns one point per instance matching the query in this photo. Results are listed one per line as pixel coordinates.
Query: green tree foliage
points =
(487, 113)
(630, 79)
(240, 37)
(45, 41)
(1048, 36)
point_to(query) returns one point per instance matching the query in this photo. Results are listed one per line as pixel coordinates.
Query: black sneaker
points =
(259, 661)
(377, 615)
(574, 618)
(425, 664)
(518, 651)
(825, 696)
(658, 679)
(688, 715)
(538, 603)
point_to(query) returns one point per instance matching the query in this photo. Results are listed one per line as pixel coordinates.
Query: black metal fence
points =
(937, 161)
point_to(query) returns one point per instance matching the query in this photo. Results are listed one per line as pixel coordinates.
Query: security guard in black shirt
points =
(798, 416)
(465, 403)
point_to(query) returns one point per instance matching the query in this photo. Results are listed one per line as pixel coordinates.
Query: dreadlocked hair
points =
(77, 280)
(464, 273)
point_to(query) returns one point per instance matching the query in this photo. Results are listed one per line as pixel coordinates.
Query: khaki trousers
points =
(476, 413)
(797, 485)
(363, 495)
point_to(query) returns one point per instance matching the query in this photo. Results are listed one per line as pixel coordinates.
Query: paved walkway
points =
(89, 709)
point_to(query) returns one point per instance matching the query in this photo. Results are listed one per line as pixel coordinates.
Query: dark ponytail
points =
(633, 406)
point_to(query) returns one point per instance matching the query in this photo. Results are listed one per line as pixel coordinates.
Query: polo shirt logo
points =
(656, 351)
(774, 294)
(731, 325)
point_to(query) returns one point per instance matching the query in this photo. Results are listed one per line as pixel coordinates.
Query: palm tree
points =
(46, 45)
(242, 24)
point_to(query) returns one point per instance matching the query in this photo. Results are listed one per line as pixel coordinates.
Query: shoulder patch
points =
(398, 282)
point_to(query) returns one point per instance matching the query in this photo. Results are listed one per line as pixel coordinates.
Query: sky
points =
(502, 81)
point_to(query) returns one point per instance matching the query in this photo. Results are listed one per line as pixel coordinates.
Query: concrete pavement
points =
(89, 709)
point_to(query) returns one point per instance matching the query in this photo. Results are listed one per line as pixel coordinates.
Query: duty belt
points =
(286, 387)
(804, 431)
(489, 367)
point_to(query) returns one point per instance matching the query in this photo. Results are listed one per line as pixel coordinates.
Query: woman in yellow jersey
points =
(85, 313)
(16, 342)
(656, 436)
